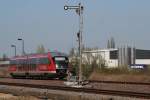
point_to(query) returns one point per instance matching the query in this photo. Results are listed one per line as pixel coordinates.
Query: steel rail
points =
(119, 82)
(83, 90)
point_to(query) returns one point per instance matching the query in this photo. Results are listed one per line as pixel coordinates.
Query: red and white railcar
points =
(47, 65)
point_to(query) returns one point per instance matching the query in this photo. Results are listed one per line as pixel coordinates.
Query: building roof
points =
(100, 50)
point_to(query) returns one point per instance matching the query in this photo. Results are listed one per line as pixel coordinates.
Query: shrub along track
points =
(85, 90)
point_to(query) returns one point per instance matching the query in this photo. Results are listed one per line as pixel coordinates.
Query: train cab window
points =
(61, 61)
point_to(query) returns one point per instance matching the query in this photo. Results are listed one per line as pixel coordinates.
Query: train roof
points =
(54, 54)
(40, 55)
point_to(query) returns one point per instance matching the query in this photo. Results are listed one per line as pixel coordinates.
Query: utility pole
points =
(79, 11)
(14, 46)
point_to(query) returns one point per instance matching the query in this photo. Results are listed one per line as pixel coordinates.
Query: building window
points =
(114, 54)
(142, 54)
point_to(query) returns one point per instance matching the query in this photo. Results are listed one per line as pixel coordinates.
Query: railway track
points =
(119, 82)
(83, 90)
(90, 81)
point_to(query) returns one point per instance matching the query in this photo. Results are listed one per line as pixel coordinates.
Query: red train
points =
(47, 65)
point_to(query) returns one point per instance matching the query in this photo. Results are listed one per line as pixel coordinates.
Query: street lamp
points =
(23, 52)
(79, 11)
(14, 46)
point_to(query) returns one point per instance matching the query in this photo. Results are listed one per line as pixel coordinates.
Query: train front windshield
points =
(61, 62)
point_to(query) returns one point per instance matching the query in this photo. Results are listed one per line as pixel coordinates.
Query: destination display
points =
(60, 58)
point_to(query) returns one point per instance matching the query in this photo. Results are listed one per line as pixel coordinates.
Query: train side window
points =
(44, 61)
(13, 62)
(33, 61)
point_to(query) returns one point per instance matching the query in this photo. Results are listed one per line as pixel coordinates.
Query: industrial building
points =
(118, 57)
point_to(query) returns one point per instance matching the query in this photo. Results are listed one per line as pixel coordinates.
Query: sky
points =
(46, 22)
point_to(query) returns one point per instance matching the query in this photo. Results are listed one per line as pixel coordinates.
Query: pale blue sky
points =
(45, 22)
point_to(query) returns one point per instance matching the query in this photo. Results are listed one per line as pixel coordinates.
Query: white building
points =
(102, 56)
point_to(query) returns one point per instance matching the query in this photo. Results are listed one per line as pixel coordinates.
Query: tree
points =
(72, 52)
(40, 49)
(111, 43)
(4, 56)
(108, 44)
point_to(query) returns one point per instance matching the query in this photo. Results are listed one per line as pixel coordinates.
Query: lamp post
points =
(79, 11)
(23, 52)
(14, 46)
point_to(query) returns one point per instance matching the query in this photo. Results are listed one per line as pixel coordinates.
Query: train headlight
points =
(56, 66)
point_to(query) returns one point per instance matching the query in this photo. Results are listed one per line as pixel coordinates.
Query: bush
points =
(121, 70)
(87, 70)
